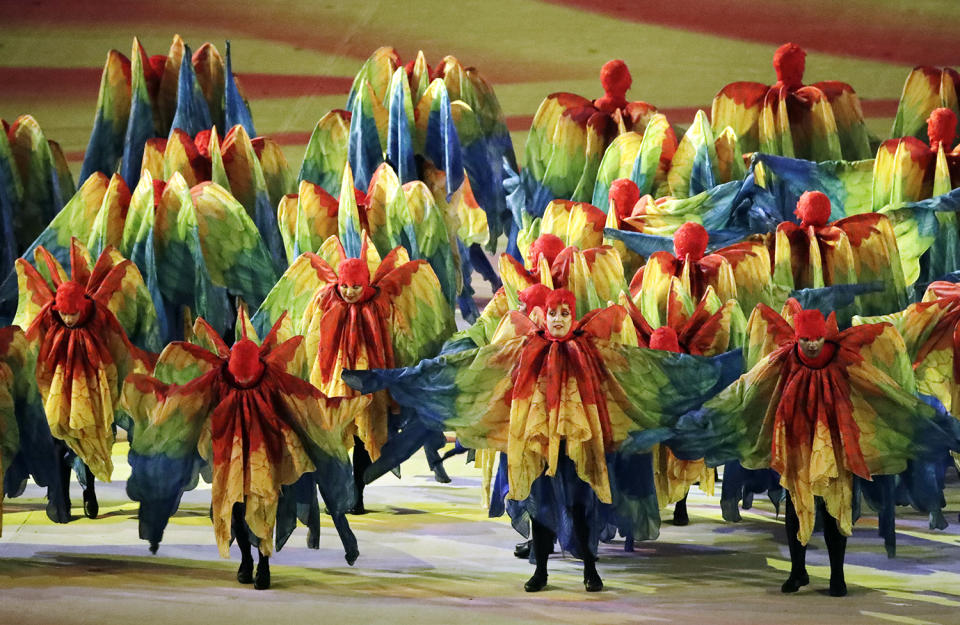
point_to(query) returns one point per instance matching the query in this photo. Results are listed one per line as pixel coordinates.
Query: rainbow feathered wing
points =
(469, 391)
(258, 439)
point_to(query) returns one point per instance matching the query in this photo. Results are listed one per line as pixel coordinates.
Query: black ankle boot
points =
(522, 550)
(245, 572)
(680, 516)
(91, 508)
(537, 581)
(796, 581)
(591, 579)
(440, 474)
(262, 580)
(838, 586)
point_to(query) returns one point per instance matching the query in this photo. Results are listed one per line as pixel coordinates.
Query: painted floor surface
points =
(430, 555)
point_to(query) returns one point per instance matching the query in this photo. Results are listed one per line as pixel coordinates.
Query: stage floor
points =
(430, 555)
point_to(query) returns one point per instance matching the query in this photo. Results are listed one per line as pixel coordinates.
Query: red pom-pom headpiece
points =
(789, 61)
(546, 245)
(534, 296)
(665, 338)
(691, 240)
(558, 297)
(813, 209)
(624, 195)
(244, 364)
(810, 324)
(202, 141)
(71, 299)
(616, 80)
(942, 128)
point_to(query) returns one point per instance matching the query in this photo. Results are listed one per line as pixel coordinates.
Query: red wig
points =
(558, 297)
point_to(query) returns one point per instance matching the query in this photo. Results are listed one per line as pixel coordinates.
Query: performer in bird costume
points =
(818, 122)
(856, 250)
(82, 350)
(740, 271)
(359, 313)
(257, 424)
(709, 328)
(555, 398)
(569, 135)
(820, 407)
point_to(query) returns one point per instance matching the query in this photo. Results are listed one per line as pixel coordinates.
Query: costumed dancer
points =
(82, 352)
(258, 425)
(709, 328)
(820, 407)
(556, 399)
(822, 121)
(359, 313)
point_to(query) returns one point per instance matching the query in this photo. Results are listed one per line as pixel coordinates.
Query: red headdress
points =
(942, 128)
(534, 296)
(244, 364)
(71, 299)
(789, 61)
(665, 338)
(354, 272)
(690, 239)
(813, 209)
(810, 324)
(624, 195)
(546, 245)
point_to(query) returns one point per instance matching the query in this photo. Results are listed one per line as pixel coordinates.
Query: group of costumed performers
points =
(664, 307)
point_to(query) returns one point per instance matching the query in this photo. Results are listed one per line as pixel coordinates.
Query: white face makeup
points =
(811, 348)
(69, 320)
(559, 321)
(351, 294)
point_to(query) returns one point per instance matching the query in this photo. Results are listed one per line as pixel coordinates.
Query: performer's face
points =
(69, 319)
(559, 321)
(351, 293)
(811, 348)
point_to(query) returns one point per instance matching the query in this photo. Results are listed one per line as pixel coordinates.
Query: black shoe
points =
(536, 583)
(795, 582)
(262, 580)
(838, 587)
(522, 550)
(91, 508)
(358, 509)
(245, 572)
(592, 581)
(154, 545)
(440, 474)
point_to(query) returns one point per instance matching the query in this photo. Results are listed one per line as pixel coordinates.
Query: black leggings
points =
(544, 537)
(836, 541)
(361, 460)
